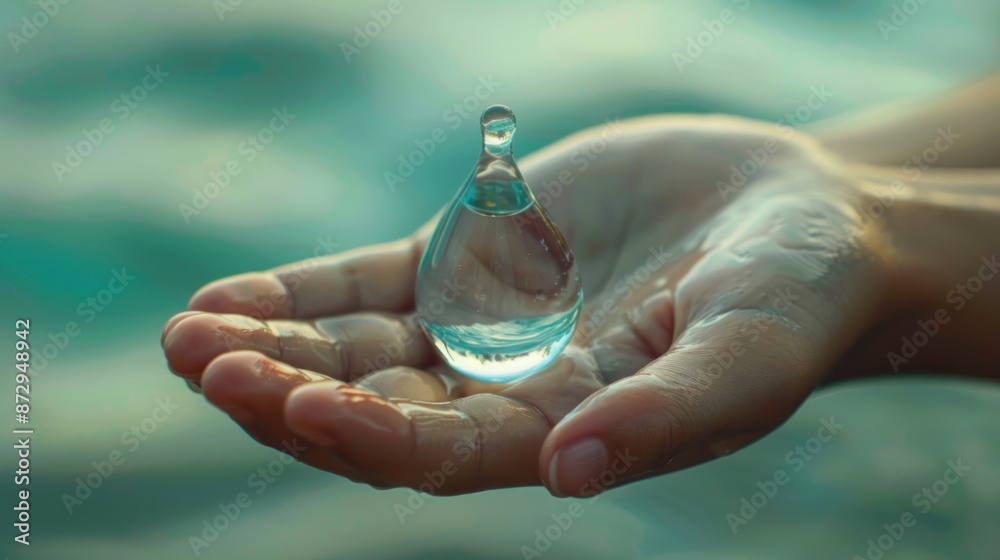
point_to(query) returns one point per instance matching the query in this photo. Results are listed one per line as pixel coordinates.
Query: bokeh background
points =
(320, 186)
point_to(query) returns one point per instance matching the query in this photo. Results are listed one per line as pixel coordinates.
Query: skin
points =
(763, 293)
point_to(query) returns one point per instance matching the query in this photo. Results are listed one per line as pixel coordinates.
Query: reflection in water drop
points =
(498, 291)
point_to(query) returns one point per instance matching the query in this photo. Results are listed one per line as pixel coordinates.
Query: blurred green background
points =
(320, 185)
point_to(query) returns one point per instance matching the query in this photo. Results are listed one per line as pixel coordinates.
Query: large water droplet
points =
(498, 291)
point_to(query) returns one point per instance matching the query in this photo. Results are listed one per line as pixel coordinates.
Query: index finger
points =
(374, 278)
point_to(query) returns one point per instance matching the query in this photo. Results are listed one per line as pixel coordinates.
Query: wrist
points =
(942, 227)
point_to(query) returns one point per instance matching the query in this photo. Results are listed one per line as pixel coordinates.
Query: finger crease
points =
(353, 286)
(289, 296)
(526, 403)
(478, 442)
(280, 341)
(341, 343)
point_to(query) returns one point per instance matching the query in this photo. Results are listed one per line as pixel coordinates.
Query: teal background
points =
(323, 179)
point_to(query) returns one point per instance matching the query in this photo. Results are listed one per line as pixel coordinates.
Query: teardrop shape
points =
(498, 291)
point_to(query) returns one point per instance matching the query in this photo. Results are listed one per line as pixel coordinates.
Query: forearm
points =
(903, 133)
(942, 242)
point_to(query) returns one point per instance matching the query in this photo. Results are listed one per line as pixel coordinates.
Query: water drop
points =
(498, 291)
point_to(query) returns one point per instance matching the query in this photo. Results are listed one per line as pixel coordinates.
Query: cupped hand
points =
(727, 265)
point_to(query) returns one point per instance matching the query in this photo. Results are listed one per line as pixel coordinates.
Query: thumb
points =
(720, 387)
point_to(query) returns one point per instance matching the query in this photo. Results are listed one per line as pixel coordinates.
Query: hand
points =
(711, 312)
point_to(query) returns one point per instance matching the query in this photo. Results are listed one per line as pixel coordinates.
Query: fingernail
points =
(196, 387)
(172, 322)
(240, 414)
(574, 466)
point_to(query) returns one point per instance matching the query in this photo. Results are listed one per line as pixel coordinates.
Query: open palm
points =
(716, 301)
